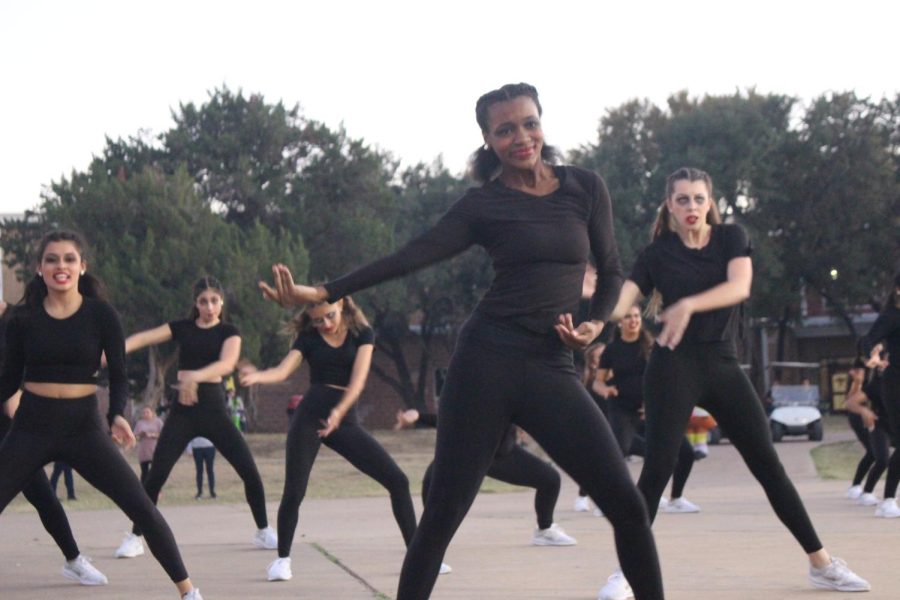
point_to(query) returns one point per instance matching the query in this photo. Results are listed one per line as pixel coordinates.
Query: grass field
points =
(331, 477)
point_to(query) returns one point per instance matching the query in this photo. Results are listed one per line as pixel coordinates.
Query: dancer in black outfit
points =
(867, 404)
(513, 359)
(209, 349)
(855, 402)
(700, 270)
(514, 465)
(54, 342)
(337, 342)
(886, 328)
(619, 378)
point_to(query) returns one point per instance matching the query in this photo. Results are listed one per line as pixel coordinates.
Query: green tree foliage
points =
(437, 298)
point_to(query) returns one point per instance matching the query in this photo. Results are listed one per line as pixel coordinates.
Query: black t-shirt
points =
(627, 362)
(327, 364)
(199, 347)
(539, 246)
(40, 348)
(676, 271)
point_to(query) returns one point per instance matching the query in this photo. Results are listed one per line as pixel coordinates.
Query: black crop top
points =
(676, 272)
(199, 347)
(538, 245)
(42, 349)
(327, 364)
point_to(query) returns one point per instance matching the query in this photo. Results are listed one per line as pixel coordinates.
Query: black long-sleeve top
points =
(886, 328)
(40, 348)
(539, 246)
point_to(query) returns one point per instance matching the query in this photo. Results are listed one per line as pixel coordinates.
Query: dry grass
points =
(332, 476)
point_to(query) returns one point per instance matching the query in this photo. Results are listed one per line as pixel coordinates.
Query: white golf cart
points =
(795, 408)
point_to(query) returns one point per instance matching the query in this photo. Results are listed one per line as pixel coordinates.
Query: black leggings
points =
(890, 397)
(206, 419)
(629, 429)
(501, 374)
(350, 441)
(868, 459)
(41, 496)
(520, 467)
(880, 449)
(709, 375)
(71, 430)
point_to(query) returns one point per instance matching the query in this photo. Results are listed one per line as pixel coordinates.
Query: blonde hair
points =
(664, 221)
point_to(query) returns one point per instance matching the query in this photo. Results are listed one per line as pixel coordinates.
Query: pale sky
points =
(404, 75)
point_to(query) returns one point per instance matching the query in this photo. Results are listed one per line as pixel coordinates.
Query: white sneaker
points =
(82, 571)
(616, 588)
(838, 576)
(681, 505)
(888, 509)
(867, 499)
(552, 536)
(445, 568)
(598, 512)
(194, 594)
(131, 546)
(854, 492)
(280, 569)
(663, 502)
(266, 539)
(582, 504)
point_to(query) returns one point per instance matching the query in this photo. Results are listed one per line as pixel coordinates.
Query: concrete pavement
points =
(734, 549)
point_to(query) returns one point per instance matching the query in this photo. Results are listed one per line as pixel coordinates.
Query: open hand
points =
(675, 320)
(121, 432)
(577, 338)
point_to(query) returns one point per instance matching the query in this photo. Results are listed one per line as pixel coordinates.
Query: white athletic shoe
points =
(854, 492)
(888, 509)
(280, 569)
(582, 504)
(552, 536)
(598, 512)
(131, 546)
(681, 505)
(194, 594)
(867, 499)
(82, 571)
(445, 568)
(616, 588)
(266, 539)
(663, 502)
(838, 576)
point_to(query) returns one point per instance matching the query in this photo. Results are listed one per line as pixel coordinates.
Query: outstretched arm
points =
(148, 337)
(249, 375)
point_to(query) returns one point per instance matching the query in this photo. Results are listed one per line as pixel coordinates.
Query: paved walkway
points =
(350, 549)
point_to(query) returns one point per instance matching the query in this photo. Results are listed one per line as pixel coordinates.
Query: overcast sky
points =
(404, 75)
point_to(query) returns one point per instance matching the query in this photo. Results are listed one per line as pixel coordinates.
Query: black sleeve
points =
(14, 359)
(606, 253)
(366, 336)
(886, 322)
(113, 343)
(640, 273)
(230, 330)
(177, 329)
(606, 358)
(736, 242)
(301, 344)
(450, 235)
(427, 419)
